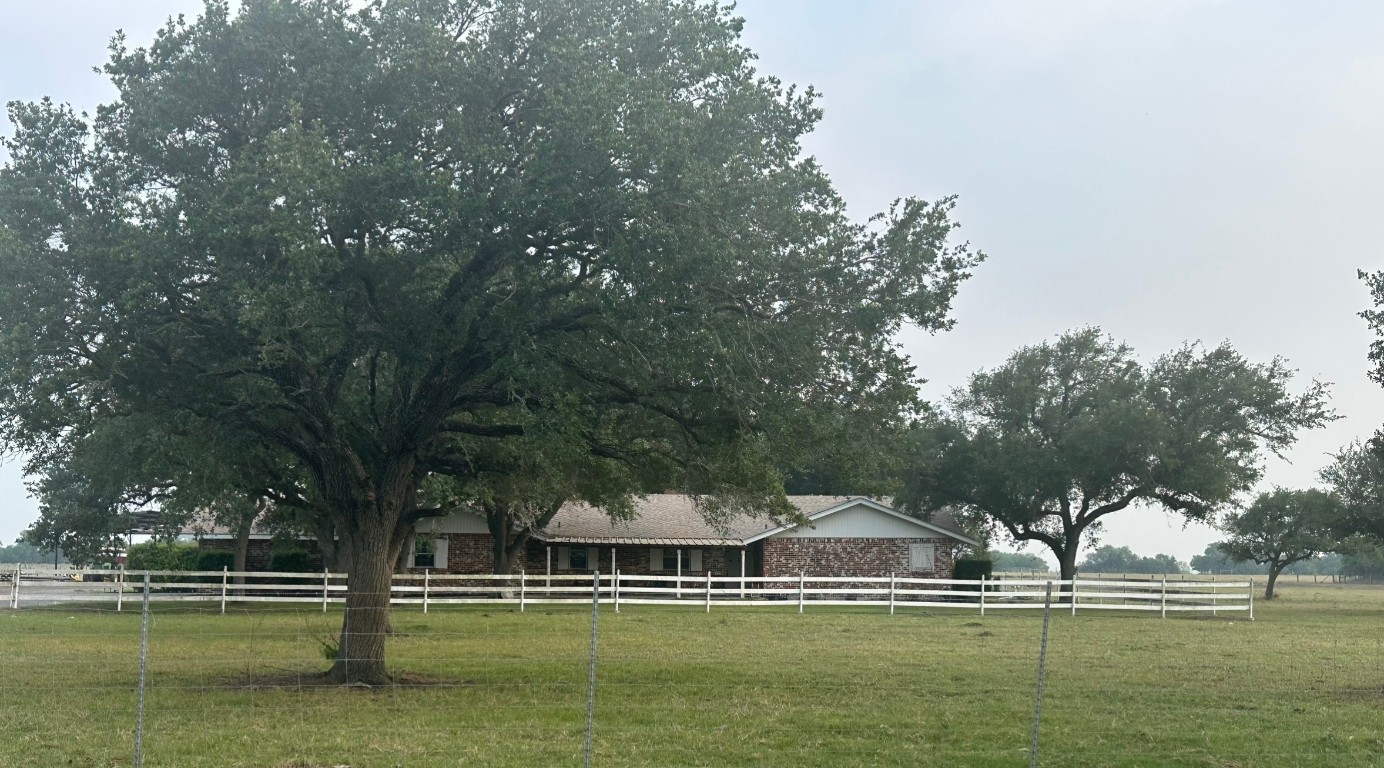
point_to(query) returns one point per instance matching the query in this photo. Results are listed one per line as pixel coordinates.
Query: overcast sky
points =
(1168, 171)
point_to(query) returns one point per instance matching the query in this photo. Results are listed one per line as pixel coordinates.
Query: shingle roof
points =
(673, 519)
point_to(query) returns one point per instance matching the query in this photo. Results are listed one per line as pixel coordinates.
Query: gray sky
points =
(1167, 170)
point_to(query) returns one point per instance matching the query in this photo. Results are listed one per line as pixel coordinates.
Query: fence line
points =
(38, 586)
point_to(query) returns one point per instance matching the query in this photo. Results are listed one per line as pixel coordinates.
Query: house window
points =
(666, 559)
(577, 558)
(922, 557)
(424, 552)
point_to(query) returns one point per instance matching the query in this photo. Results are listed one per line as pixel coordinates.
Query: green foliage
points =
(290, 560)
(1356, 478)
(163, 556)
(23, 552)
(1109, 559)
(972, 569)
(1283, 527)
(1068, 432)
(1017, 561)
(215, 560)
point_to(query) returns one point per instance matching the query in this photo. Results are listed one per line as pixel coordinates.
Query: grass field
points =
(1302, 685)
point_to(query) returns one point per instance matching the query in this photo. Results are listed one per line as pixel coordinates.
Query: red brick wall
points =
(468, 553)
(258, 552)
(851, 557)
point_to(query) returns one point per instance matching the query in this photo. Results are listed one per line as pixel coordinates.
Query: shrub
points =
(972, 569)
(163, 556)
(290, 561)
(215, 560)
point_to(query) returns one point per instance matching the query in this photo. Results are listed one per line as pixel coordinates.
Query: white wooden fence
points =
(46, 586)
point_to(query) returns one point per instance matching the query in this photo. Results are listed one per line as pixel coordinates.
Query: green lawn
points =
(1302, 685)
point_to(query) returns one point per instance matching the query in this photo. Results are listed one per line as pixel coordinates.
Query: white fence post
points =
(742, 573)
(324, 590)
(982, 594)
(1073, 595)
(677, 585)
(523, 587)
(18, 575)
(119, 587)
(1251, 598)
(224, 574)
(1213, 597)
(425, 590)
(708, 591)
(801, 580)
(1163, 600)
(617, 591)
(891, 593)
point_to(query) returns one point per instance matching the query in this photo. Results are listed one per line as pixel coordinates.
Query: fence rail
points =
(47, 586)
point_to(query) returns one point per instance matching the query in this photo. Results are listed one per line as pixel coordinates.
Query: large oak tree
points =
(385, 241)
(1067, 432)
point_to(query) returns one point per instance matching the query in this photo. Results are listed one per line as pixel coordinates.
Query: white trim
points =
(876, 506)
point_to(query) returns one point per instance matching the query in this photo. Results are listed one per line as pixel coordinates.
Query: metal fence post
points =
(143, 675)
(1042, 668)
(591, 666)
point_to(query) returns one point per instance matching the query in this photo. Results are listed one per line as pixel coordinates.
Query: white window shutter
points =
(921, 557)
(440, 553)
(564, 558)
(656, 559)
(694, 561)
(593, 558)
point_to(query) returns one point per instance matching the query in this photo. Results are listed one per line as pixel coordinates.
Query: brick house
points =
(843, 536)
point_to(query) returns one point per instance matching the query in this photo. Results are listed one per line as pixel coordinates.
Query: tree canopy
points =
(1282, 527)
(1108, 559)
(1067, 432)
(381, 245)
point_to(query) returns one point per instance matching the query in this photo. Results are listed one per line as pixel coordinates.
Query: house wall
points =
(259, 551)
(789, 556)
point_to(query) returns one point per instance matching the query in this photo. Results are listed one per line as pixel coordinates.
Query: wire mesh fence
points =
(673, 684)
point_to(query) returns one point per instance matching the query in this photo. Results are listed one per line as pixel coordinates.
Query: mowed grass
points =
(1301, 685)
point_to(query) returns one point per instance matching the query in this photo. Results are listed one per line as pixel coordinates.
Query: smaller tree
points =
(1283, 527)
(1017, 561)
(1108, 559)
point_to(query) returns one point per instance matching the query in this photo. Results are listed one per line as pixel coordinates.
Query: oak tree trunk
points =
(1274, 570)
(365, 625)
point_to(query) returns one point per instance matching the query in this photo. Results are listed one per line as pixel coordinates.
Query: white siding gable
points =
(457, 522)
(860, 521)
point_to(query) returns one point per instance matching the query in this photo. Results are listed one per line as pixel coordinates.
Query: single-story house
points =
(843, 536)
